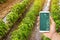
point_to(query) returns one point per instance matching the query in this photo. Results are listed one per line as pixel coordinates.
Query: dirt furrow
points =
(6, 7)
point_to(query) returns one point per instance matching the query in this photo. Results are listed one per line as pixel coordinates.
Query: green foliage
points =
(3, 28)
(16, 12)
(2, 1)
(13, 16)
(25, 27)
(45, 38)
(55, 13)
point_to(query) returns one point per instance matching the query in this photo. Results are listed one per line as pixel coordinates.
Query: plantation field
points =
(19, 19)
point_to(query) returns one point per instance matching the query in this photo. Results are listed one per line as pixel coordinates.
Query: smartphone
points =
(44, 21)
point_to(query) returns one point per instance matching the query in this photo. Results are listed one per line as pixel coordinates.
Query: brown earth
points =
(6, 7)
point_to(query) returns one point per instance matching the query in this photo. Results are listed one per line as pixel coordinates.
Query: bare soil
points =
(6, 7)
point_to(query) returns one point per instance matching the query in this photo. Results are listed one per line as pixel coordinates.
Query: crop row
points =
(25, 27)
(3, 28)
(13, 16)
(55, 12)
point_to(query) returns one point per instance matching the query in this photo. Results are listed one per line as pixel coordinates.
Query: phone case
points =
(44, 21)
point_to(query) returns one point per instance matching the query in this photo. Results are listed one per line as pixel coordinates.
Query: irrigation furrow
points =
(36, 35)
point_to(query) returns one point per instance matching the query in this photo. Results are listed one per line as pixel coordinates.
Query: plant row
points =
(25, 27)
(55, 12)
(13, 16)
(3, 28)
(16, 12)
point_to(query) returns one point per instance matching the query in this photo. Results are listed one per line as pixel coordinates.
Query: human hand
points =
(52, 29)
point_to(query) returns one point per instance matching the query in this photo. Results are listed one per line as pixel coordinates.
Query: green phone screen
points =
(44, 22)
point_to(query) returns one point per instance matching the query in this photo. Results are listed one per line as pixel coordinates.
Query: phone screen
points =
(44, 22)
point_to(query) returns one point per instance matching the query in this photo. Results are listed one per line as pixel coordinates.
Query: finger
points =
(51, 20)
(52, 25)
